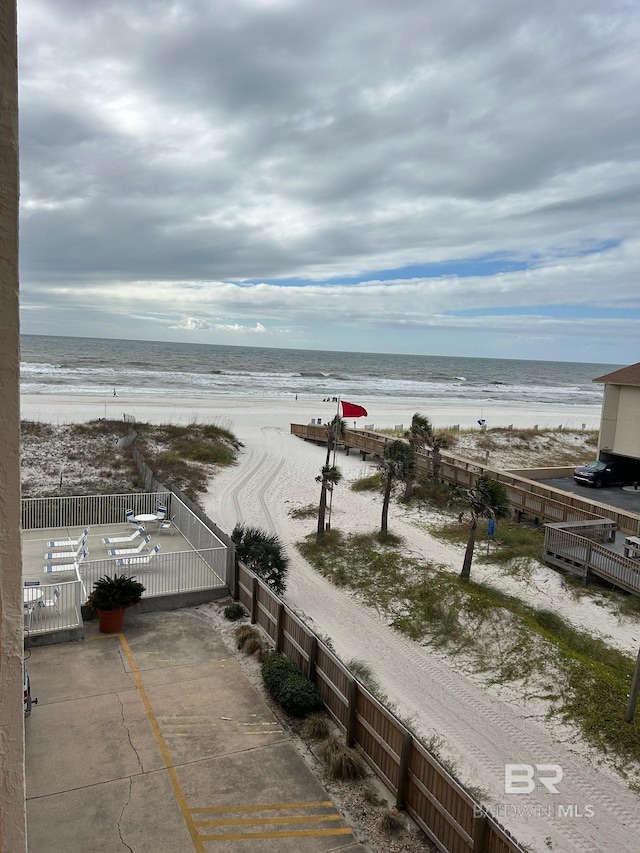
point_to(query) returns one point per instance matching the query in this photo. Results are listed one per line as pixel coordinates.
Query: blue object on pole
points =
(491, 527)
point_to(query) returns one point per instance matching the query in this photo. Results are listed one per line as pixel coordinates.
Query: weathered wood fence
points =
(450, 817)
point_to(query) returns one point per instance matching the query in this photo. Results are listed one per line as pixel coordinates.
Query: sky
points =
(444, 178)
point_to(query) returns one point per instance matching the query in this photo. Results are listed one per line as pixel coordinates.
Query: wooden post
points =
(311, 663)
(279, 618)
(479, 829)
(254, 601)
(351, 718)
(633, 695)
(403, 770)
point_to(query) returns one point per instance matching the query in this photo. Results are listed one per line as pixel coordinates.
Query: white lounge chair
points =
(67, 555)
(68, 543)
(118, 552)
(115, 539)
(138, 561)
(67, 567)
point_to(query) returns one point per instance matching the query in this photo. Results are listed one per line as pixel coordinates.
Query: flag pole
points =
(334, 465)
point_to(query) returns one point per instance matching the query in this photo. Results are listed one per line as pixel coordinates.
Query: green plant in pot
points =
(110, 597)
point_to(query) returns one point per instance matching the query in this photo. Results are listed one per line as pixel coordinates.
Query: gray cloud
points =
(167, 143)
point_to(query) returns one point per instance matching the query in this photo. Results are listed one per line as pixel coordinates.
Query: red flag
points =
(350, 410)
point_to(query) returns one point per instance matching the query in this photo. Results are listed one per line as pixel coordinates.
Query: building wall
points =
(620, 421)
(12, 791)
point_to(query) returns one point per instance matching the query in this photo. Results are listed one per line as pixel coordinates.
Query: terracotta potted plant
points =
(110, 597)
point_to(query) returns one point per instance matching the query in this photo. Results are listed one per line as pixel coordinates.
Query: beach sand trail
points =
(481, 728)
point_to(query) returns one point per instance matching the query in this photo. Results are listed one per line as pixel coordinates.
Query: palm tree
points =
(397, 463)
(439, 442)
(419, 435)
(487, 499)
(264, 554)
(329, 475)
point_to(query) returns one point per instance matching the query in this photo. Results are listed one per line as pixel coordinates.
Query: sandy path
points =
(482, 728)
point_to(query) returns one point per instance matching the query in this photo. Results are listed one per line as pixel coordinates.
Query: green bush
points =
(234, 611)
(289, 687)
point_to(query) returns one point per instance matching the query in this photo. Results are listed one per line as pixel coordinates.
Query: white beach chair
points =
(50, 602)
(130, 517)
(118, 552)
(115, 539)
(67, 555)
(68, 543)
(67, 567)
(138, 561)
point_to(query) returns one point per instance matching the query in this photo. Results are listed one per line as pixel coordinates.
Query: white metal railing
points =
(164, 574)
(87, 510)
(53, 607)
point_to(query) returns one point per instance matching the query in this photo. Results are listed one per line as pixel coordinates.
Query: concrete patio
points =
(155, 739)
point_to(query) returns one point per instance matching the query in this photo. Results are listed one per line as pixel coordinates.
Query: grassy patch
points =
(586, 680)
(511, 542)
(304, 512)
(367, 484)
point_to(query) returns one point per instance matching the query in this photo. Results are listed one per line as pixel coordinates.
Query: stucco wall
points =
(627, 436)
(12, 795)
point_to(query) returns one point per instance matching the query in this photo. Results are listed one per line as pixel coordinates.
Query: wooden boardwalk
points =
(579, 535)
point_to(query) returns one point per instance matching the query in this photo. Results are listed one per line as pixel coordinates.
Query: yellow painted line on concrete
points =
(294, 833)
(164, 751)
(263, 808)
(258, 821)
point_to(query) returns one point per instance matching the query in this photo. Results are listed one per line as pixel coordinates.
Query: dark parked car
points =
(598, 474)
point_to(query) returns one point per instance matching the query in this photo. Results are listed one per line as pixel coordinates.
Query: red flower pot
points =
(111, 621)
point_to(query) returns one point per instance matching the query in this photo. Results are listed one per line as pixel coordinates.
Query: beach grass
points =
(578, 675)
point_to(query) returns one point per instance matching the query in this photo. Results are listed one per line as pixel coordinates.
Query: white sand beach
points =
(481, 727)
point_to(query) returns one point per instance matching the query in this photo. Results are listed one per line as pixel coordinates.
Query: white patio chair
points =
(161, 513)
(115, 539)
(118, 552)
(28, 613)
(138, 561)
(130, 517)
(43, 603)
(68, 543)
(168, 524)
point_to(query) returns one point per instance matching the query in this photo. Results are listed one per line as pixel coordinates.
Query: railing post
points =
(403, 770)
(279, 634)
(351, 718)
(254, 600)
(313, 656)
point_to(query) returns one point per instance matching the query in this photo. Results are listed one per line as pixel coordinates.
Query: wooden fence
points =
(450, 817)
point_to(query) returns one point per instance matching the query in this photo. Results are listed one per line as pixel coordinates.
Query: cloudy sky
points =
(450, 177)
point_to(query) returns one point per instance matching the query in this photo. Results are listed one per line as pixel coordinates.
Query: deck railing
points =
(165, 574)
(61, 612)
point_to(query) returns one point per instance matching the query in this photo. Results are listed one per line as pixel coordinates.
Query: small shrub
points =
(342, 762)
(251, 646)
(289, 687)
(234, 611)
(244, 633)
(391, 822)
(316, 727)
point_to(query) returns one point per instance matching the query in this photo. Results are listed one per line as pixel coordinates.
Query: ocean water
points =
(90, 366)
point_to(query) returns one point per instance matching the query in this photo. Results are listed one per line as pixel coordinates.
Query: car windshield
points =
(596, 466)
